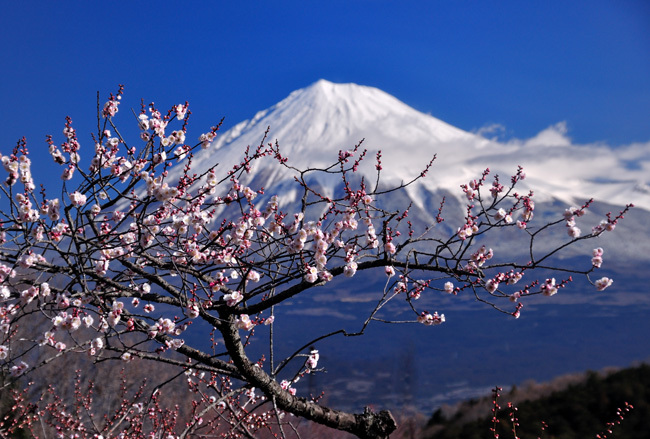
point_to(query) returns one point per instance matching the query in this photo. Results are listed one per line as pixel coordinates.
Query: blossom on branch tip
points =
(603, 283)
(110, 108)
(549, 288)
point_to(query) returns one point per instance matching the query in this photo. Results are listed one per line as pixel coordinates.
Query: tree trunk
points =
(367, 425)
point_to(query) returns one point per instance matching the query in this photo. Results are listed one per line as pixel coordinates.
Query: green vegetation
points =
(581, 410)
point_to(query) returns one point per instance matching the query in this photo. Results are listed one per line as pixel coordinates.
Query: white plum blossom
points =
(286, 385)
(574, 232)
(431, 319)
(253, 276)
(244, 322)
(312, 361)
(350, 269)
(77, 198)
(501, 214)
(603, 283)
(549, 288)
(206, 139)
(180, 111)
(233, 298)
(97, 343)
(597, 259)
(88, 321)
(492, 285)
(311, 275)
(192, 310)
(18, 369)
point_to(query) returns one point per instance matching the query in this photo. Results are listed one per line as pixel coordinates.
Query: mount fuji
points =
(313, 124)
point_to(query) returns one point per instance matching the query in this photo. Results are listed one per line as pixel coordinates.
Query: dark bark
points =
(366, 425)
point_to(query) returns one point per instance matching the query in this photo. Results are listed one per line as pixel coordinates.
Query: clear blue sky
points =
(523, 64)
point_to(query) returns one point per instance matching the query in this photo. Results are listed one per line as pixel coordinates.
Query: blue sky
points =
(524, 65)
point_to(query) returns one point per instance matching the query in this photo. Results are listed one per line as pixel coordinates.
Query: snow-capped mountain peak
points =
(312, 124)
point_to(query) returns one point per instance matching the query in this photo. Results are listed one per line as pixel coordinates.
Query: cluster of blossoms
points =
(19, 169)
(418, 288)
(605, 225)
(480, 257)
(431, 319)
(597, 257)
(233, 298)
(106, 157)
(503, 215)
(244, 322)
(78, 199)
(467, 229)
(110, 107)
(528, 213)
(569, 216)
(471, 189)
(27, 214)
(164, 326)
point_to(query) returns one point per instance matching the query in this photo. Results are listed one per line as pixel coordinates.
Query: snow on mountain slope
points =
(314, 123)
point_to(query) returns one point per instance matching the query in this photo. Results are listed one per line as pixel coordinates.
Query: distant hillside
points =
(576, 406)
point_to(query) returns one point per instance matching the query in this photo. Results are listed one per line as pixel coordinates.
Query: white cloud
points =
(557, 167)
(555, 135)
(492, 132)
